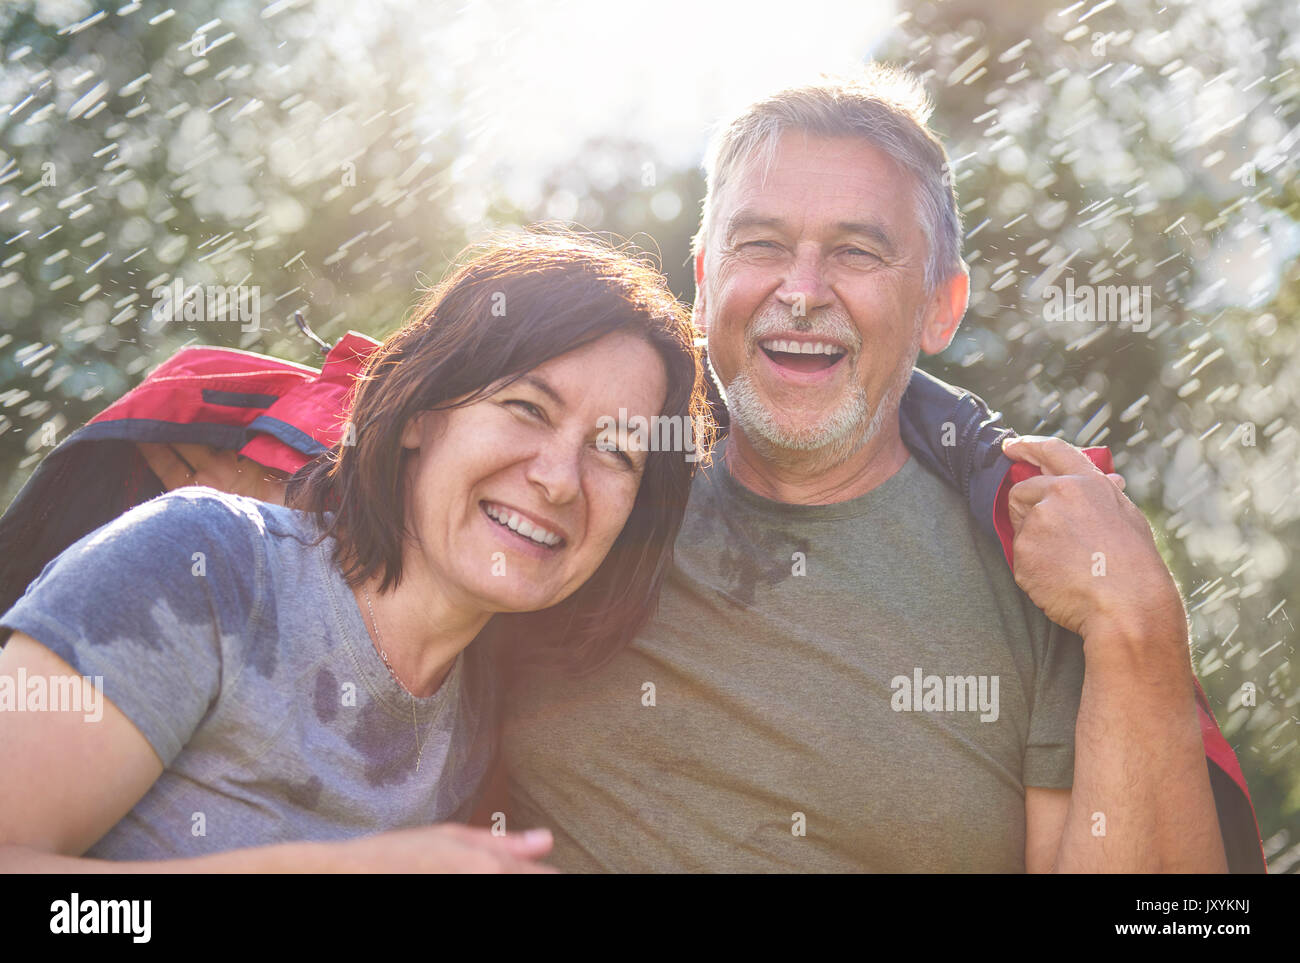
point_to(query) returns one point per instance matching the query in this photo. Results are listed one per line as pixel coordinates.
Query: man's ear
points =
(943, 313)
(697, 309)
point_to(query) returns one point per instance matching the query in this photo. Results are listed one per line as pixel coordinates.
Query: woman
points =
(327, 670)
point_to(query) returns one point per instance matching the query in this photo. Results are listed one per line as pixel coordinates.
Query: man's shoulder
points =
(915, 486)
(917, 516)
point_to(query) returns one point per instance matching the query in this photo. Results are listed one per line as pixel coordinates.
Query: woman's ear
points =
(413, 433)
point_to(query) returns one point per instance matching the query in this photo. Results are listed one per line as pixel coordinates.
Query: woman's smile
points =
(526, 533)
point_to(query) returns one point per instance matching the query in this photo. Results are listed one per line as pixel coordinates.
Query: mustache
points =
(825, 323)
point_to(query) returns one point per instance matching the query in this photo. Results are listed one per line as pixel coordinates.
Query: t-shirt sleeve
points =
(1058, 685)
(150, 603)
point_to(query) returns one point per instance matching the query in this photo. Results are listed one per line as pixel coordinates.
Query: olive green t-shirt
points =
(858, 686)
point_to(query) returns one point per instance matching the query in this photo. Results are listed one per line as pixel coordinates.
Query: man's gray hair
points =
(883, 105)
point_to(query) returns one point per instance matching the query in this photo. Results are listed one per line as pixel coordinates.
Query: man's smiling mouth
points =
(803, 355)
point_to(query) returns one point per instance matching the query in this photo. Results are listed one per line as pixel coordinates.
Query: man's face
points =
(813, 296)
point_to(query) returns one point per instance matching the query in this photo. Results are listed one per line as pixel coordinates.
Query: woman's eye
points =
(526, 406)
(619, 455)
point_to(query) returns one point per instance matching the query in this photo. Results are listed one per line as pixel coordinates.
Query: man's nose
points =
(556, 469)
(804, 285)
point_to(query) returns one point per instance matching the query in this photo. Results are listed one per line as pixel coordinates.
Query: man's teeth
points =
(522, 526)
(801, 347)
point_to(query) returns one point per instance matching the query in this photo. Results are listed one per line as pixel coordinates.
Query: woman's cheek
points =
(608, 508)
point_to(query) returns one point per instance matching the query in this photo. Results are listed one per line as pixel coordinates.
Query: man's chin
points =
(817, 442)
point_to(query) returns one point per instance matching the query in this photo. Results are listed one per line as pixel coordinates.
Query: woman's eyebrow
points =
(544, 386)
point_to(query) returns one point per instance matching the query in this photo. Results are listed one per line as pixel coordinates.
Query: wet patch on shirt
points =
(327, 696)
(305, 794)
(389, 756)
(752, 562)
(263, 655)
(746, 559)
(180, 614)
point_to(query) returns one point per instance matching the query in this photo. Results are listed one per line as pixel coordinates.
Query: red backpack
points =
(276, 413)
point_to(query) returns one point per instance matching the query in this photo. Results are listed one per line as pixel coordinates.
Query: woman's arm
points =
(69, 779)
(443, 848)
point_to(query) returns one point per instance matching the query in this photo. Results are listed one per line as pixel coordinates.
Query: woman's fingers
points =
(530, 844)
(442, 848)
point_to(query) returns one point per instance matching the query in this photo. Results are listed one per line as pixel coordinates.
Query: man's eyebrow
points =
(544, 386)
(748, 218)
(877, 232)
(871, 229)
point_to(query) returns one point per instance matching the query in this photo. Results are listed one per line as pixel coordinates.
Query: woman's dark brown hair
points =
(512, 304)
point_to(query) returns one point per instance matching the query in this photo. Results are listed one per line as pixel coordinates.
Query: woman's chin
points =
(517, 598)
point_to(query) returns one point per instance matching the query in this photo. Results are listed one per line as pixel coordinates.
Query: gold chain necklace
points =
(379, 640)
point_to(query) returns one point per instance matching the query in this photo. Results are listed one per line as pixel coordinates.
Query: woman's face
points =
(513, 504)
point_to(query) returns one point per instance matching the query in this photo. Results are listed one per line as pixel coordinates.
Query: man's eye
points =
(858, 252)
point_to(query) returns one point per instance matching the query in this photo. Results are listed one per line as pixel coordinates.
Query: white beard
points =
(828, 443)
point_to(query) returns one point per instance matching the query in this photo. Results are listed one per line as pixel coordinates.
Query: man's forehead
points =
(817, 164)
(845, 182)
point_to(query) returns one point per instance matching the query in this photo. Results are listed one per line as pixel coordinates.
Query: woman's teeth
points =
(521, 526)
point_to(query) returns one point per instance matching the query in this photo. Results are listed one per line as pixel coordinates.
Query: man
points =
(843, 674)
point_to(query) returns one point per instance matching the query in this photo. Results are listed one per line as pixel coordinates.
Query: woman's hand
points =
(177, 465)
(442, 848)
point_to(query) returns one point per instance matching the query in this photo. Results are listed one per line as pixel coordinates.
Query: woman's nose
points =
(556, 470)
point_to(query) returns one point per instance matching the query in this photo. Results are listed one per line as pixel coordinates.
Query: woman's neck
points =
(420, 627)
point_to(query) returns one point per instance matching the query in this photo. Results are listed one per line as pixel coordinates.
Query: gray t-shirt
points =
(237, 648)
(815, 693)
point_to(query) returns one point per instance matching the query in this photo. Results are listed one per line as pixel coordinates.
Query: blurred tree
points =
(150, 145)
(1148, 145)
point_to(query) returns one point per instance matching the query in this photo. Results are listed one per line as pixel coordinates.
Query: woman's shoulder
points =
(198, 509)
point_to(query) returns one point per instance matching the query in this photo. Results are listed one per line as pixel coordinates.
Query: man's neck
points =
(804, 479)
